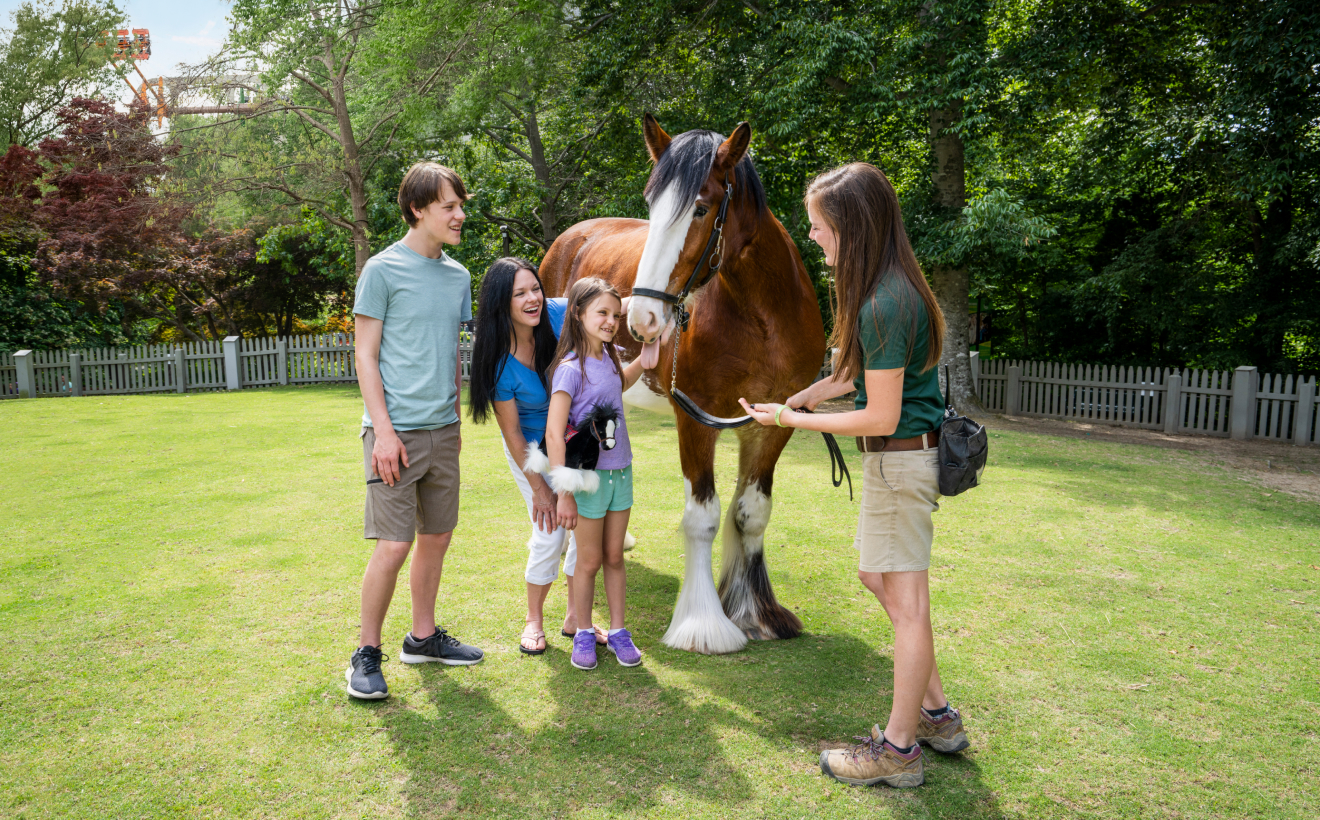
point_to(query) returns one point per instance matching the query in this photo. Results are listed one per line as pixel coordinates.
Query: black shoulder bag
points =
(963, 445)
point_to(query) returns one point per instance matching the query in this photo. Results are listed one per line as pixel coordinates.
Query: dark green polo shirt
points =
(886, 330)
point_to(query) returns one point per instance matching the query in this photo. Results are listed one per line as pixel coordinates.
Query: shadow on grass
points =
(614, 740)
(618, 740)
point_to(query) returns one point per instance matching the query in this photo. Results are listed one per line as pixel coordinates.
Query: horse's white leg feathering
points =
(699, 623)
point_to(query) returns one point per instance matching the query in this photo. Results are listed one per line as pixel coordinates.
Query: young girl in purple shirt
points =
(588, 374)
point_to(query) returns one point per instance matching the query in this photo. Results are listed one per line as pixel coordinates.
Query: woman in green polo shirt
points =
(888, 330)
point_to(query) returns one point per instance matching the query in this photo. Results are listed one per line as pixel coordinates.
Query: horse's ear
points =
(734, 148)
(656, 138)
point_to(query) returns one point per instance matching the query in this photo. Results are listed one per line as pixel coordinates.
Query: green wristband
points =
(781, 409)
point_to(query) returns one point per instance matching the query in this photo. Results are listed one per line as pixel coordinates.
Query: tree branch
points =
(511, 148)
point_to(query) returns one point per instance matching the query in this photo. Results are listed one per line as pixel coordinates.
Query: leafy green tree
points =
(308, 65)
(1183, 169)
(53, 52)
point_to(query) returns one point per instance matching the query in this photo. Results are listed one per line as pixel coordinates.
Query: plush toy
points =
(582, 446)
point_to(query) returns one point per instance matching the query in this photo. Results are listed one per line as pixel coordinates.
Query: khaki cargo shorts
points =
(425, 498)
(899, 493)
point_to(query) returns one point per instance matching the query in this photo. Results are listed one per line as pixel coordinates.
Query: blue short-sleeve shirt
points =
(520, 383)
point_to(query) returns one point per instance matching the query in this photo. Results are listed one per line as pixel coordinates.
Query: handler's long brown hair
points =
(860, 206)
(573, 338)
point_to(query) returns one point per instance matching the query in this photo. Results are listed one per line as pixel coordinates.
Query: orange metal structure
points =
(135, 45)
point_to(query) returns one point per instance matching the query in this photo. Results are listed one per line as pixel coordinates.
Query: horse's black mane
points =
(687, 162)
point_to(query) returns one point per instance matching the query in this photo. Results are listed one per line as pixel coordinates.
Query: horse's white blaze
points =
(699, 623)
(641, 395)
(670, 220)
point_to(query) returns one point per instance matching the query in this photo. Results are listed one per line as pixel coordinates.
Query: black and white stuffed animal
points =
(582, 447)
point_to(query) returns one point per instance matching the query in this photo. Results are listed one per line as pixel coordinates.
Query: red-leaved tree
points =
(108, 233)
(93, 207)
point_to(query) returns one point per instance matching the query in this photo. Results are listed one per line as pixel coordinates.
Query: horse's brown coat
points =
(756, 333)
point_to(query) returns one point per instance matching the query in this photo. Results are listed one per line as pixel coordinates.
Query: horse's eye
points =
(701, 212)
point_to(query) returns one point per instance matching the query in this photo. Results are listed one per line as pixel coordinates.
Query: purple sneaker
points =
(584, 650)
(621, 644)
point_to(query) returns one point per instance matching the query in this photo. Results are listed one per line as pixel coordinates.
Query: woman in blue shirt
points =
(511, 352)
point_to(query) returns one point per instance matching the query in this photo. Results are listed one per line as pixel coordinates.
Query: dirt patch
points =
(1274, 465)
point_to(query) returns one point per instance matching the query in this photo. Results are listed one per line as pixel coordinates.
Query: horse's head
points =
(684, 195)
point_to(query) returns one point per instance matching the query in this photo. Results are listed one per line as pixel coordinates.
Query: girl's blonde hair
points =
(857, 202)
(573, 338)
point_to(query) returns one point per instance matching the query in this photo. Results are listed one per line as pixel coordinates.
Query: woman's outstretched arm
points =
(884, 406)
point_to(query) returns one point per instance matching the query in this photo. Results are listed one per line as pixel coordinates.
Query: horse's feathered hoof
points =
(706, 636)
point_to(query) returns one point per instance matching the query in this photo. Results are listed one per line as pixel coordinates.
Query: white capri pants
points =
(543, 548)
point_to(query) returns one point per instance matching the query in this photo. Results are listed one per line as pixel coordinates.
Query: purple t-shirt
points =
(601, 385)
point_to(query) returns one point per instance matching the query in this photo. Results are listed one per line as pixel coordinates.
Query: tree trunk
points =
(357, 189)
(547, 213)
(952, 284)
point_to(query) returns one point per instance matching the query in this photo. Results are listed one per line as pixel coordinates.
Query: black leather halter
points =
(681, 315)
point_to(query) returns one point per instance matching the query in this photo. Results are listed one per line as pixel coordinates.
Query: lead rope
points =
(838, 467)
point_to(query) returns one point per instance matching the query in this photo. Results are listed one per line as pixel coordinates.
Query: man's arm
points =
(458, 389)
(388, 452)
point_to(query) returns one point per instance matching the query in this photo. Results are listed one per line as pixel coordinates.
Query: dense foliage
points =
(1102, 180)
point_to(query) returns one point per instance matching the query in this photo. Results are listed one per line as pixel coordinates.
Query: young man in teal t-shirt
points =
(410, 302)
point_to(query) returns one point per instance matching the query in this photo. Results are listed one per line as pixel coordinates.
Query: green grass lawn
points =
(1128, 634)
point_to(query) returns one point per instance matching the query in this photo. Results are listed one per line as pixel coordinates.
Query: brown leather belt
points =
(885, 444)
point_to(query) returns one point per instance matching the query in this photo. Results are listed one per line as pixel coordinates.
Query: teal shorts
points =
(615, 494)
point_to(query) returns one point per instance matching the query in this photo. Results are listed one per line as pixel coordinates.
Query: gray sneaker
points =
(439, 648)
(363, 674)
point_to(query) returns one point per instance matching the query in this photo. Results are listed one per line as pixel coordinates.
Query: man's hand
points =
(386, 455)
(568, 511)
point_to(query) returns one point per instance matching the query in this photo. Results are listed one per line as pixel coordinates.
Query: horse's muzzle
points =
(647, 321)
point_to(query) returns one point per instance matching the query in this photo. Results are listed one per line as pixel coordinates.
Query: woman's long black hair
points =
(495, 334)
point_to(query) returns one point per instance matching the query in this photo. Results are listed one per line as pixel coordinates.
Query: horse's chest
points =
(647, 394)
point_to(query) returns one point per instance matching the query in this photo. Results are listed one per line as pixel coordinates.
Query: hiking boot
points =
(584, 650)
(944, 733)
(874, 760)
(439, 648)
(363, 674)
(621, 644)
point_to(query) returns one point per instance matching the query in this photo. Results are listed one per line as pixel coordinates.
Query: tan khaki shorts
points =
(425, 498)
(899, 493)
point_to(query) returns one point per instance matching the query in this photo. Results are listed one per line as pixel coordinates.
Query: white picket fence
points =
(1239, 403)
(233, 364)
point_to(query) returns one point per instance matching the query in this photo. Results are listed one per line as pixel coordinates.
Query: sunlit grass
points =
(1128, 635)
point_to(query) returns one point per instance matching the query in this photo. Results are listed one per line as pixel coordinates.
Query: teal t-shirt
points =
(421, 302)
(885, 327)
